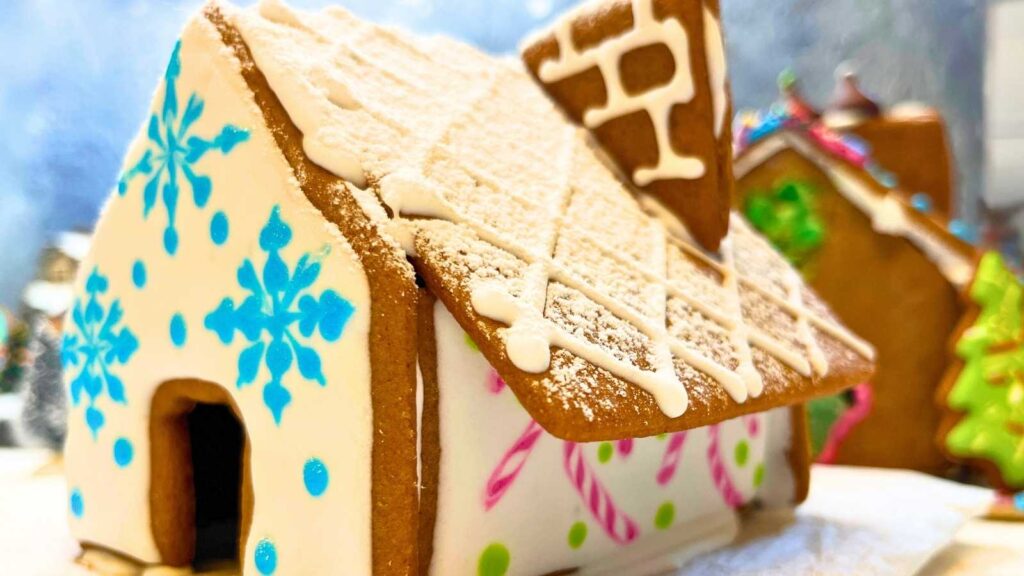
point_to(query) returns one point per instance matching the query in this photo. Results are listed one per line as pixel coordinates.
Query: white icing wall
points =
(306, 524)
(534, 524)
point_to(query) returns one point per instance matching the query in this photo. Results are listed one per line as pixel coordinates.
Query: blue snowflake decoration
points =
(94, 345)
(279, 316)
(174, 151)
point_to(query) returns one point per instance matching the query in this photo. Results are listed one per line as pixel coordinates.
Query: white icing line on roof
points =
(714, 46)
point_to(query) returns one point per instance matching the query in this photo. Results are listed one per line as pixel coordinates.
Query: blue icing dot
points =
(178, 331)
(219, 228)
(315, 475)
(921, 202)
(139, 274)
(266, 557)
(77, 505)
(123, 452)
(1018, 501)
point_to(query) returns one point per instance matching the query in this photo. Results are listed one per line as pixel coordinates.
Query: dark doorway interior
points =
(217, 442)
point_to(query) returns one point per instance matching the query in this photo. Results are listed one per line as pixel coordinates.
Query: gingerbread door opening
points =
(200, 482)
(217, 443)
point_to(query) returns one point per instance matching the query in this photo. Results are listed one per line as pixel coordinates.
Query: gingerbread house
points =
(884, 258)
(909, 139)
(368, 303)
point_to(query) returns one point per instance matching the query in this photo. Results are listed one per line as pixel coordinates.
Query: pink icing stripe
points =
(863, 398)
(624, 447)
(753, 425)
(495, 384)
(510, 465)
(620, 528)
(673, 455)
(719, 474)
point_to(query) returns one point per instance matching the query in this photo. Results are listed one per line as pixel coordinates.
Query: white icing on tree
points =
(657, 102)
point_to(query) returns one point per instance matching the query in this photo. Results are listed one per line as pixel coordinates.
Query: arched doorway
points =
(200, 482)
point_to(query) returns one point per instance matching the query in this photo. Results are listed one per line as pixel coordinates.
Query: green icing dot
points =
(662, 436)
(742, 452)
(665, 515)
(759, 475)
(494, 561)
(604, 452)
(472, 345)
(577, 535)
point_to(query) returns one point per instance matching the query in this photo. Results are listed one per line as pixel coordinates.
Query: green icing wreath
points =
(788, 216)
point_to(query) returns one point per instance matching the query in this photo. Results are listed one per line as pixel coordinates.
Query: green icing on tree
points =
(493, 561)
(788, 216)
(577, 535)
(990, 388)
(604, 452)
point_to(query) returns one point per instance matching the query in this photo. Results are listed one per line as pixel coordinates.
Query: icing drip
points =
(657, 102)
(738, 333)
(816, 356)
(714, 45)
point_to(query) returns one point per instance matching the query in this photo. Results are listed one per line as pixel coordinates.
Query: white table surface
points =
(856, 521)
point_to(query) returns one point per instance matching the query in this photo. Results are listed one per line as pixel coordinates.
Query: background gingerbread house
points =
(883, 257)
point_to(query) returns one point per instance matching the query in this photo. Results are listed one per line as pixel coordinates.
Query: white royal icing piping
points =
(714, 45)
(530, 336)
(658, 102)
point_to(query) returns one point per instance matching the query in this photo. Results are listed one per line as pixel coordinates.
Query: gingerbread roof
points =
(866, 185)
(599, 310)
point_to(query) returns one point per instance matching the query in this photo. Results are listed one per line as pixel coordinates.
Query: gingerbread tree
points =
(986, 394)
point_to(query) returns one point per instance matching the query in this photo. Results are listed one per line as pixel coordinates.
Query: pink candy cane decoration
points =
(719, 473)
(673, 455)
(753, 425)
(862, 400)
(619, 527)
(624, 447)
(511, 464)
(495, 384)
